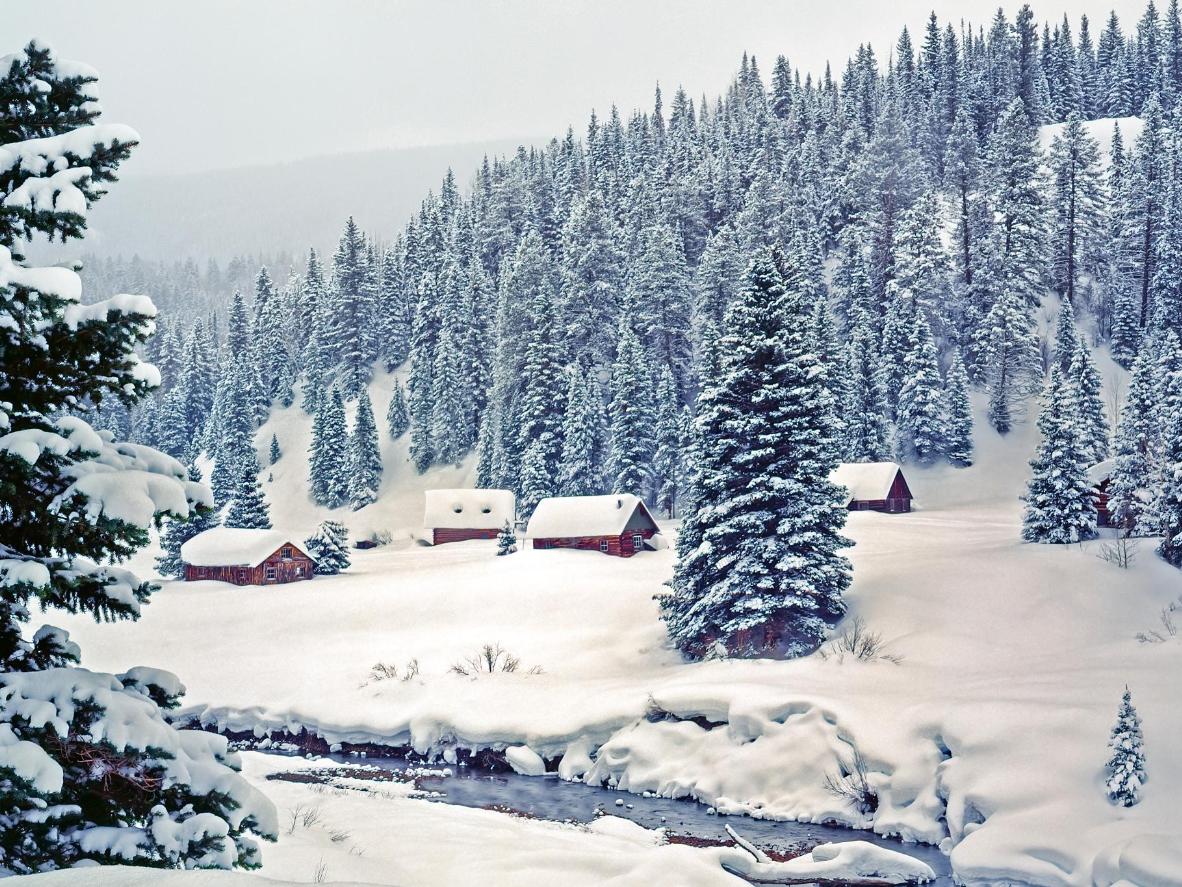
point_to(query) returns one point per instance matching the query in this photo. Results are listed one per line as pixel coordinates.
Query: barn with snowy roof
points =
(619, 524)
(457, 515)
(245, 557)
(873, 486)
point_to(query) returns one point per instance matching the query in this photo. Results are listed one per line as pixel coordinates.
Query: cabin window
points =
(270, 573)
(603, 545)
(299, 571)
(637, 541)
(287, 552)
(242, 576)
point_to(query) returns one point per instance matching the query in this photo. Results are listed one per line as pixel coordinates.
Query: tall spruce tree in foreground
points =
(766, 576)
(90, 772)
(1059, 500)
(365, 457)
(1126, 763)
(1169, 499)
(1132, 474)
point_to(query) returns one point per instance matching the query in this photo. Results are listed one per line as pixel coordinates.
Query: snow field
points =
(987, 737)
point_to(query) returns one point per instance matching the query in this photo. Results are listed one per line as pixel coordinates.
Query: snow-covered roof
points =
(1101, 471)
(566, 516)
(232, 547)
(468, 509)
(865, 480)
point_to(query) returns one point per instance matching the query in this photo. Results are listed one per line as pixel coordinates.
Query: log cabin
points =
(1100, 477)
(873, 486)
(245, 557)
(618, 524)
(458, 515)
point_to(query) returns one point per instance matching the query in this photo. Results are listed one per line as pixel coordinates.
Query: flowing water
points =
(551, 798)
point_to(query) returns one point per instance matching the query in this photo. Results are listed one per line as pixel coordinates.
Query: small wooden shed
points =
(1100, 476)
(457, 515)
(245, 557)
(619, 524)
(873, 486)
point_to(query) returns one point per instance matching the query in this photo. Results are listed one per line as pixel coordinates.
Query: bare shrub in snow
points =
(320, 873)
(860, 642)
(1120, 552)
(491, 659)
(386, 671)
(338, 836)
(852, 786)
(1169, 625)
(302, 814)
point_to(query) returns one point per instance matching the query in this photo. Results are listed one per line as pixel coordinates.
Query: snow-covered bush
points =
(329, 547)
(1126, 765)
(89, 769)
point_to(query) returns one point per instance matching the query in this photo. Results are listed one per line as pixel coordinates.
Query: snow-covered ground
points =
(987, 737)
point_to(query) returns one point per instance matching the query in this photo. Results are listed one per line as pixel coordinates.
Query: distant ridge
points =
(267, 209)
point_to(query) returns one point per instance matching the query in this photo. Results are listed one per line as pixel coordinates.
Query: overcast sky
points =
(224, 83)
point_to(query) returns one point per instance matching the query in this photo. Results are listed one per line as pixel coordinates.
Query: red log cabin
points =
(245, 557)
(873, 486)
(459, 515)
(619, 524)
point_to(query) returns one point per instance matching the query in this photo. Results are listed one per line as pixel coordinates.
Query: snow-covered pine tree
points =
(1010, 350)
(632, 415)
(179, 530)
(1134, 445)
(317, 353)
(1014, 183)
(1077, 205)
(1066, 338)
(580, 472)
(1168, 507)
(328, 471)
(1126, 761)
(667, 470)
(766, 575)
(1093, 417)
(864, 436)
(1060, 508)
(506, 540)
(922, 430)
(959, 411)
(275, 452)
(352, 314)
(365, 456)
(329, 548)
(69, 796)
(248, 508)
(397, 418)
(543, 403)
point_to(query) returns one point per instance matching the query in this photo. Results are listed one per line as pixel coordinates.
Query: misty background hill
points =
(261, 210)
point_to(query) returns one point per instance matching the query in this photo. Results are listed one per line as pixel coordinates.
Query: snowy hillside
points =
(987, 737)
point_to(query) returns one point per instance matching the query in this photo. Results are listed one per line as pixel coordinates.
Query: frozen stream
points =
(551, 798)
